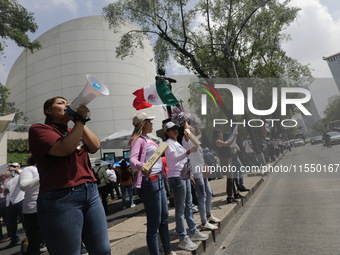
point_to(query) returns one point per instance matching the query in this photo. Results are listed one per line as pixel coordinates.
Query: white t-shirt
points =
(246, 145)
(196, 158)
(29, 182)
(151, 148)
(111, 174)
(175, 158)
(15, 194)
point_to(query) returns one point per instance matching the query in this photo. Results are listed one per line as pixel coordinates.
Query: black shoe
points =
(242, 188)
(238, 196)
(231, 200)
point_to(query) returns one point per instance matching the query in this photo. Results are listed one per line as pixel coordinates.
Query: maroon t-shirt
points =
(58, 172)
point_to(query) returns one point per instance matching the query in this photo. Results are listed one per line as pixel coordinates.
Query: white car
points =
(335, 137)
(299, 142)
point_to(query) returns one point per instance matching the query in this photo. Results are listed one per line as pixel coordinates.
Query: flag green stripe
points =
(165, 93)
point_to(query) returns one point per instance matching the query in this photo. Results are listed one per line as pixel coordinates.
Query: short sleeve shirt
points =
(58, 172)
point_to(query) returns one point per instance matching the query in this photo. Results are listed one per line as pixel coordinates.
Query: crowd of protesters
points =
(60, 188)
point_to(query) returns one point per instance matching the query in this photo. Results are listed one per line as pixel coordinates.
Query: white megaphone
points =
(93, 88)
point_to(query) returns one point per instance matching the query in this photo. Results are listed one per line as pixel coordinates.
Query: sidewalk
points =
(129, 236)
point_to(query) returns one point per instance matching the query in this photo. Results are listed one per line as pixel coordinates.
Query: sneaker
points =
(208, 226)
(173, 253)
(194, 209)
(231, 200)
(133, 205)
(198, 236)
(243, 188)
(238, 196)
(187, 244)
(213, 219)
(83, 251)
(43, 249)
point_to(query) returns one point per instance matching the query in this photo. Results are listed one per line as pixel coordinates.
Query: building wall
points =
(334, 65)
(69, 52)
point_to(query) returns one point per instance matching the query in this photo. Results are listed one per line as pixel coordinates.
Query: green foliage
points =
(332, 111)
(210, 38)
(17, 157)
(15, 23)
(17, 145)
(7, 107)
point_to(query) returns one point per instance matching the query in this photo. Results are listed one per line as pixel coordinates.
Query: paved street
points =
(292, 213)
(289, 213)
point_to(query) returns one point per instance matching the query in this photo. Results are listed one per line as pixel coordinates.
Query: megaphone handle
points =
(70, 112)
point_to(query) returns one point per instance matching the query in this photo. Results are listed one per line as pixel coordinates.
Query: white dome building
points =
(70, 51)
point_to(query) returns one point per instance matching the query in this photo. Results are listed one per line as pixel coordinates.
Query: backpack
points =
(95, 172)
(125, 175)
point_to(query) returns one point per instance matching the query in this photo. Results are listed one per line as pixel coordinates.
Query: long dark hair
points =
(47, 106)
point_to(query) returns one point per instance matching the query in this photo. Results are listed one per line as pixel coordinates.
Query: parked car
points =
(316, 139)
(334, 137)
(299, 142)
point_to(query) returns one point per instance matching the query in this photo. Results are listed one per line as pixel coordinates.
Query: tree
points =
(15, 23)
(332, 111)
(7, 107)
(210, 38)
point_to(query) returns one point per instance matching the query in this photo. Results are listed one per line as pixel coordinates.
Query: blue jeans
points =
(204, 195)
(182, 196)
(71, 216)
(129, 189)
(252, 159)
(155, 202)
(239, 176)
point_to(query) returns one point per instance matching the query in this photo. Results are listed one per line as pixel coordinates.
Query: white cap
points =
(15, 164)
(97, 161)
(169, 125)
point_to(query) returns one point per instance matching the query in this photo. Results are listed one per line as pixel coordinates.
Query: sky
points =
(314, 34)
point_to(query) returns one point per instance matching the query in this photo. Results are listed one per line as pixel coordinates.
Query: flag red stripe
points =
(139, 102)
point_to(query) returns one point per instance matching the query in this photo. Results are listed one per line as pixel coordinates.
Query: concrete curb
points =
(204, 245)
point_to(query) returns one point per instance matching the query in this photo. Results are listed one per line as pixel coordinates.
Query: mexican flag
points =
(155, 94)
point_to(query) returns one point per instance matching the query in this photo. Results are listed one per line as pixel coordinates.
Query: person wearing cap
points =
(150, 186)
(14, 200)
(176, 157)
(69, 208)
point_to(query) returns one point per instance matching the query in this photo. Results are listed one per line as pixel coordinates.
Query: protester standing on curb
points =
(176, 157)
(113, 184)
(103, 181)
(224, 153)
(125, 174)
(29, 183)
(150, 187)
(201, 183)
(14, 199)
(69, 207)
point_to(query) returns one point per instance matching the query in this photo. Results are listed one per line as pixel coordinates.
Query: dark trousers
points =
(231, 187)
(110, 187)
(33, 233)
(14, 212)
(103, 193)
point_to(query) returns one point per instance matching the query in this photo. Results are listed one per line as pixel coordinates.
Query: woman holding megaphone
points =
(69, 208)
